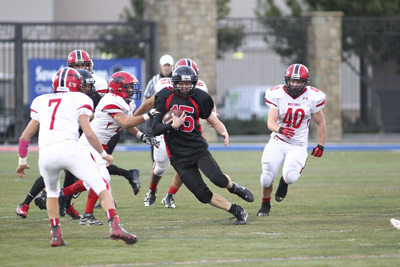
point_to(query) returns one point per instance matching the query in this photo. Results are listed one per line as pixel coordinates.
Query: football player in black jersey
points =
(187, 149)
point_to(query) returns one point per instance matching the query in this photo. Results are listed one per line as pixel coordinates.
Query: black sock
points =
(124, 172)
(37, 187)
(232, 209)
(113, 169)
(233, 188)
(28, 199)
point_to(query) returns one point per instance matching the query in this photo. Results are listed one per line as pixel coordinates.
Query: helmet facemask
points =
(184, 74)
(129, 92)
(183, 90)
(293, 90)
(299, 74)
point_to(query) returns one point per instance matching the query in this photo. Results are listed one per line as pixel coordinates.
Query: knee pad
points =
(291, 177)
(266, 178)
(159, 168)
(204, 195)
(220, 180)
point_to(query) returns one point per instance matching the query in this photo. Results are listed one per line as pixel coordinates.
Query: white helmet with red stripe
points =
(296, 72)
(67, 80)
(187, 62)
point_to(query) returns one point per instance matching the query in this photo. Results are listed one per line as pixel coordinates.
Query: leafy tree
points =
(230, 37)
(120, 45)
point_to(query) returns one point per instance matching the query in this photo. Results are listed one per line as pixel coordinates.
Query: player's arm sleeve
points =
(85, 106)
(207, 106)
(112, 109)
(270, 100)
(34, 109)
(319, 101)
(160, 128)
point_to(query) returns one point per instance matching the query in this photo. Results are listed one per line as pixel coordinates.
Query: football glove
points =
(318, 151)
(286, 131)
(149, 140)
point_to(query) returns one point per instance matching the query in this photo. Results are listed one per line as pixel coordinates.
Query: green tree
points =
(119, 38)
(120, 44)
(363, 35)
(230, 36)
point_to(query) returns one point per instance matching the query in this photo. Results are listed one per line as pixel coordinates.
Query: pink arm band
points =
(23, 148)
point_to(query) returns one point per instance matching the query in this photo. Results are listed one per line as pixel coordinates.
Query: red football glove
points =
(286, 131)
(318, 151)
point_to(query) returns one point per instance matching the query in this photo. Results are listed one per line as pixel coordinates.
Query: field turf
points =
(337, 214)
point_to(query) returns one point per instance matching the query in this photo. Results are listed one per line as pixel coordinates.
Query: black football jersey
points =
(188, 138)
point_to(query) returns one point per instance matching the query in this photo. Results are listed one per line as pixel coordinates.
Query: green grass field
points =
(337, 214)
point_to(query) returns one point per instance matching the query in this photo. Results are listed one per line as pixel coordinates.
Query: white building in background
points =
(62, 11)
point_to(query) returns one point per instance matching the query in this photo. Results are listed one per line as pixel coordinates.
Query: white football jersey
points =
(103, 123)
(166, 82)
(58, 115)
(295, 113)
(100, 84)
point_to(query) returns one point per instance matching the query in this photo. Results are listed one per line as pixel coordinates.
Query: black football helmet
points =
(87, 78)
(184, 74)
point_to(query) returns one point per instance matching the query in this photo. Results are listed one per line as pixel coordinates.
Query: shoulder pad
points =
(162, 83)
(275, 92)
(100, 84)
(202, 85)
(315, 94)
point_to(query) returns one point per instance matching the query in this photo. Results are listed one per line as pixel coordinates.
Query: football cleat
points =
(73, 213)
(133, 178)
(89, 219)
(117, 232)
(40, 200)
(281, 191)
(56, 237)
(265, 209)
(395, 223)
(150, 198)
(76, 195)
(168, 201)
(243, 192)
(240, 215)
(22, 210)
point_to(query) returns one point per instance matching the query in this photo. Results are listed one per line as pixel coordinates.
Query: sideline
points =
(301, 258)
(245, 147)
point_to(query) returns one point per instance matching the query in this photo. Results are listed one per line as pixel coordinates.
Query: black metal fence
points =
(370, 72)
(20, 42)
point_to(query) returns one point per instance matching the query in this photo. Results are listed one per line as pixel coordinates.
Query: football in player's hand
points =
(167, 119)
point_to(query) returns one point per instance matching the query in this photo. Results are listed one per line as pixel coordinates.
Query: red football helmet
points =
(67, 80)
(296, 72)
(119, 84)
(78, 58)
(187, 62)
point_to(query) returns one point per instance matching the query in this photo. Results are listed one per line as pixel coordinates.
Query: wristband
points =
(139, 134)
(103, 154)
(146, 117)
(22, 161)
(23, 147)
